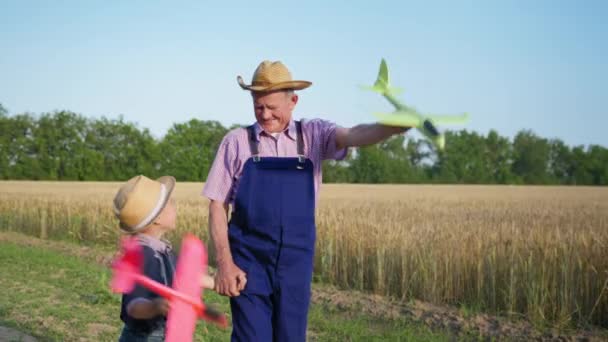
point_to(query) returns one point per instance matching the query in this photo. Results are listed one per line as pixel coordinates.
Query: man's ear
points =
(293, 100)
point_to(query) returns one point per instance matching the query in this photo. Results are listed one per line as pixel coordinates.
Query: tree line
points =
(67, 146)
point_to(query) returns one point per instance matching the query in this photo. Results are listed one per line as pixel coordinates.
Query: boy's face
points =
(168, 216)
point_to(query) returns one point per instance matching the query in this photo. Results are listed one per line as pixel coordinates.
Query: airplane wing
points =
(399, 118)
(182, 318)
(394, 90)
(372, 88)
(126, 266)
(449, 119)
(383, 90)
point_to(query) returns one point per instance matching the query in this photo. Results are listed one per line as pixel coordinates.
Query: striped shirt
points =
(233, 152)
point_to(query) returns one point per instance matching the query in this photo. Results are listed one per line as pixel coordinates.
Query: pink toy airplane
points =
(185, 296)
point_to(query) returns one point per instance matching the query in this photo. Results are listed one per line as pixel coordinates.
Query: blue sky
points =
(539, 65)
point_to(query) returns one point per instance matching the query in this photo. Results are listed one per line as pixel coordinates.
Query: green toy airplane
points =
(405, 116)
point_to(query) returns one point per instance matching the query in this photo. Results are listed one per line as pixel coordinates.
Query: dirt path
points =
(445, 318)
(12, 335)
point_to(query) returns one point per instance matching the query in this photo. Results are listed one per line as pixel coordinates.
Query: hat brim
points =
(295, 85)
(169, 183)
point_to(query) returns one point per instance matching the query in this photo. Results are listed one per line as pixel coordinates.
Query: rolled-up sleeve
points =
(219, 183)
(324, 132)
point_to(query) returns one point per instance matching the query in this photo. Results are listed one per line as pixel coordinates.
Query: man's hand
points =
(230, 279)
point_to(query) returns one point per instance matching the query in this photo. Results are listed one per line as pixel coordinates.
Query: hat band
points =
(159, 206)
(263, 83)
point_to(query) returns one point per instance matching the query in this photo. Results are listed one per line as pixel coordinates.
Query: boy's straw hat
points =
(271, 76)
(139, 201)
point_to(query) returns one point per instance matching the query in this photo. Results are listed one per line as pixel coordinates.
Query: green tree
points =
(19, 147)
(531, 158)
(188, 149)
(122, 150)
(561, 165)
(598, 164)
(5, 128)
(498, 158)
(463, 160)
(66, 146)
(580, 167)
(59, 142)
(386, 162)
(336, 171)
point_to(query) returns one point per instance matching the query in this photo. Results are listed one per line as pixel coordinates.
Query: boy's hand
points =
(161, 305)
(207, 282)
(231, 280)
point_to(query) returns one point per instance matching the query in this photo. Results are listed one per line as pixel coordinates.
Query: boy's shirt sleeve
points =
(151, 269)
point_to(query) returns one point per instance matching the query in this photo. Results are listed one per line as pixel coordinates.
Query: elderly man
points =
(270, 173)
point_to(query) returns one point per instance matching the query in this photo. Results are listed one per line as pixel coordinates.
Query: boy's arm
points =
(142, 308)
(207, 282)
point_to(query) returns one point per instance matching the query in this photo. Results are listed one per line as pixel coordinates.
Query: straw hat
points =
(270, 76)
(139, 201)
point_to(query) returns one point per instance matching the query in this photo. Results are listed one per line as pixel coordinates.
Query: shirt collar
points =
(157, 245)
(290, 131)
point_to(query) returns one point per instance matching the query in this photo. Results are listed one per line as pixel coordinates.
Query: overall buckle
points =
(301, 160)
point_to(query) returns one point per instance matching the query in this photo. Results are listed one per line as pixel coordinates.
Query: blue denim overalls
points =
(272, 239)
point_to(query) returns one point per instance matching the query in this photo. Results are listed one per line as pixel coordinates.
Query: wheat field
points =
(535, 252)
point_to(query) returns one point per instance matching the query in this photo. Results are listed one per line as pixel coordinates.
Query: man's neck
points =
(275, 134)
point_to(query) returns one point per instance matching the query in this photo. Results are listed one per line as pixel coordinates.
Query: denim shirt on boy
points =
(158, 264)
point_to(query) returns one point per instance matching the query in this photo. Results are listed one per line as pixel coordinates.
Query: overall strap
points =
(300, 139)
(253, 143)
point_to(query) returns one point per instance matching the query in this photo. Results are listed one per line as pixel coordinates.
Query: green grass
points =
(56, 296)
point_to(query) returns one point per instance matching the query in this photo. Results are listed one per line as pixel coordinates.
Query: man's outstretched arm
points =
(365, 134)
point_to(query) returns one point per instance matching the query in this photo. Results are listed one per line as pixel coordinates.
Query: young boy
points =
(145, 208)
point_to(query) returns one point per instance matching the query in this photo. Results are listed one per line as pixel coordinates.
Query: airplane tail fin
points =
(382, 84)
(382, 80)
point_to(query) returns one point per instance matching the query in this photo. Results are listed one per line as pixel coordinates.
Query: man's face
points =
(273, 110)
